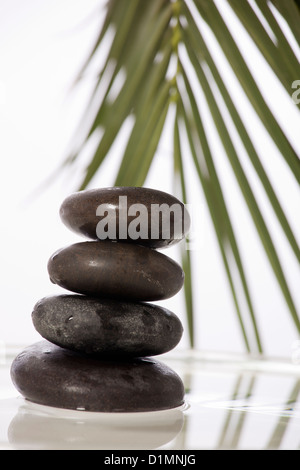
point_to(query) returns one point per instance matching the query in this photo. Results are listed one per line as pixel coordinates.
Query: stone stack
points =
(99, 342)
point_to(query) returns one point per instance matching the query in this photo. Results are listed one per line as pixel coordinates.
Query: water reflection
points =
(242, 405)
(281, 427)
(39, 427)
(234, 422)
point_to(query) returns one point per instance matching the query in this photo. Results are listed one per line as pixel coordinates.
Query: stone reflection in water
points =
(38, 427)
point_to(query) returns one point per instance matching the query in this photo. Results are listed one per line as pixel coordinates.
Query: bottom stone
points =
(50, 375)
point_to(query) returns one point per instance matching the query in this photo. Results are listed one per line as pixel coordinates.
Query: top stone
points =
(129, 214)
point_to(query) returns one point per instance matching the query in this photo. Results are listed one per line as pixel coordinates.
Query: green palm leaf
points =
(154, 46)
(181, 192)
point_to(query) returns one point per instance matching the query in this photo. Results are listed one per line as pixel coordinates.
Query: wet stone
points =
(129, 214)
(107, 327)
(114, 269)
(49, 375)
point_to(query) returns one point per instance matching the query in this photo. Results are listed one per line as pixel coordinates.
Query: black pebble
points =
(49, 375)
(107, 326)
(117, 270)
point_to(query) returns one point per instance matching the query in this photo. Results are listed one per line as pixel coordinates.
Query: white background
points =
(42, 45)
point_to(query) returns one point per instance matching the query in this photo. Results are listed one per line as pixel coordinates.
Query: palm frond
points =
(154, 46)
(181, 192)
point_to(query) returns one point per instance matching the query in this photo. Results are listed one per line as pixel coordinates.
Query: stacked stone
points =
(99, 342)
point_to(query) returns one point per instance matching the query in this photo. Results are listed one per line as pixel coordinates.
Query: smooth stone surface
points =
(107, 326)
(114, 269)
(49, 375)
(78, 213)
